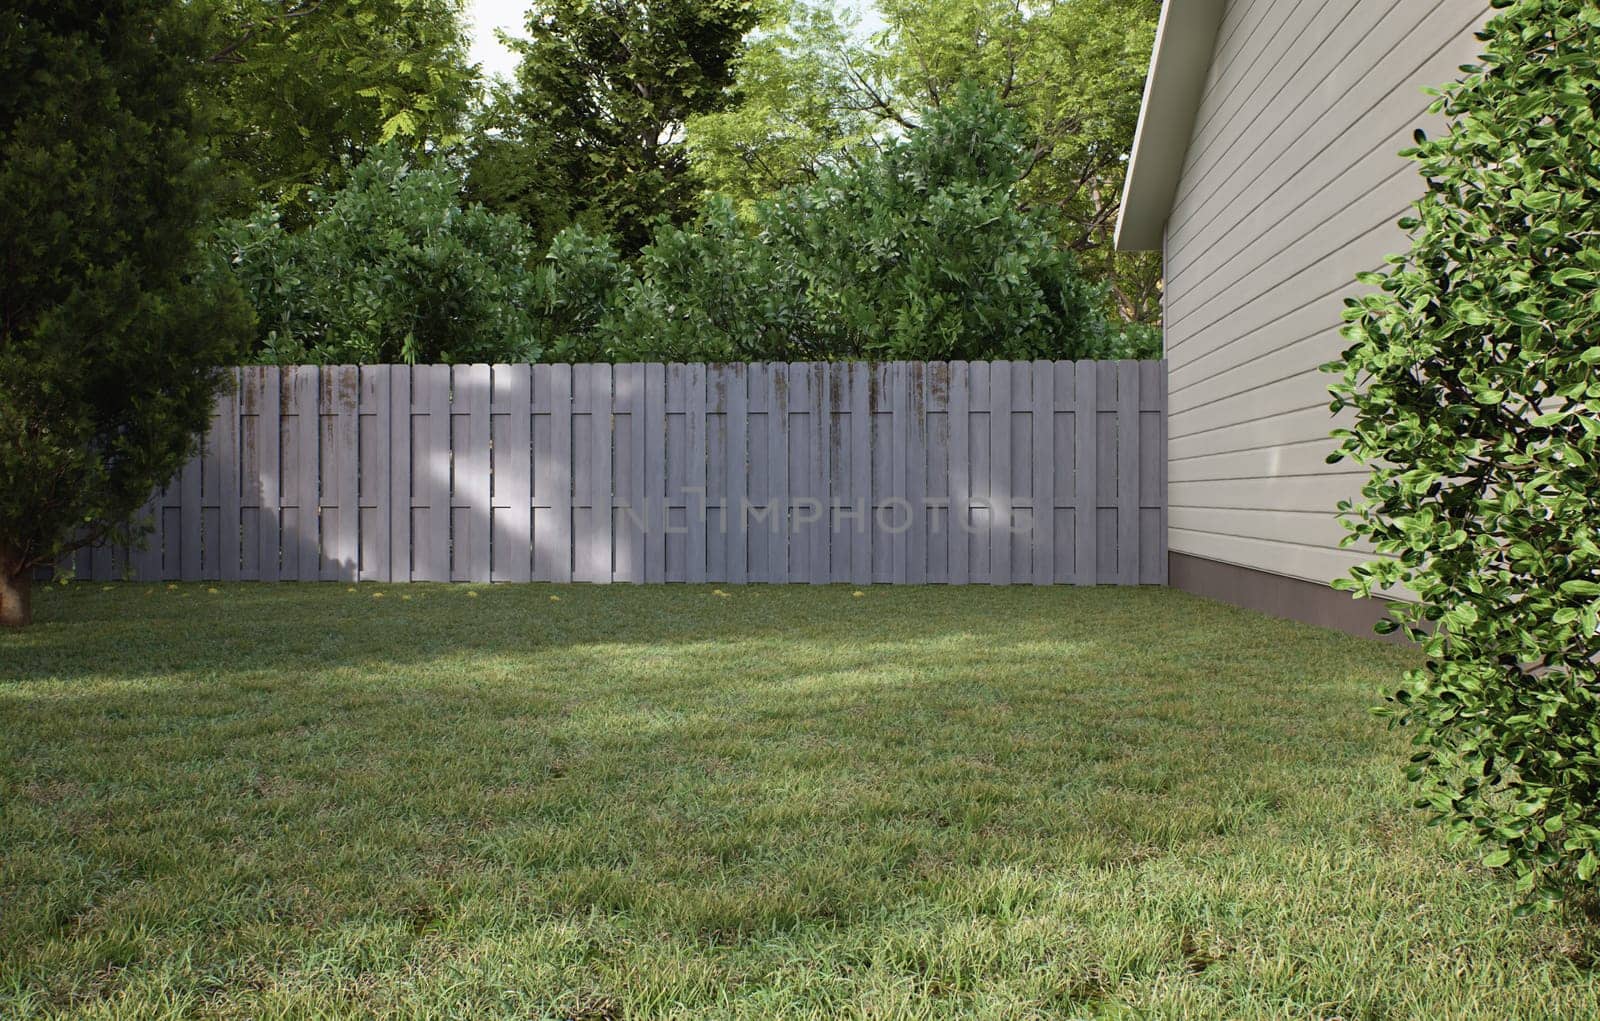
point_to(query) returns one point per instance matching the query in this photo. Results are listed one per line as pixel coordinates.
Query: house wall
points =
(1292, 184)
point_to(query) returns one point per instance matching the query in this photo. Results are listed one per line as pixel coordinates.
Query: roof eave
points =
(1172, 90)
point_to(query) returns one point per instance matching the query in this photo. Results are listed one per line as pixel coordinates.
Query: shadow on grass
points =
(133, 630)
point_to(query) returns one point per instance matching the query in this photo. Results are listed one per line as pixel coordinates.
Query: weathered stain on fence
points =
(904, 472)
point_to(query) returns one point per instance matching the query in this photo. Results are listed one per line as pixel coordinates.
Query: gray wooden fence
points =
(907, 472)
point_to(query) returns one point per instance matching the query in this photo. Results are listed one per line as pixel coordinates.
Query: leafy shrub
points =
(393, 268)
(916, 249)
(578, 285)
(1472, 380)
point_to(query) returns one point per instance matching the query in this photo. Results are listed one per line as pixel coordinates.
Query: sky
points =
(488, 15)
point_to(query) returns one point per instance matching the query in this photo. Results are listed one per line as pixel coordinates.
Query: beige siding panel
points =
(1292, 185)
(1305, 389)
(1289, 360)
(1360, 169)
(1307, 40)
(1308, 323)
(1308, 423)
(1297, 129)
(1271, 33)
(1240, 21)
(1230, 275)
(1306, 528)
(1320, 492)
(1301, 457)
(1232, 315)
(1294, 560)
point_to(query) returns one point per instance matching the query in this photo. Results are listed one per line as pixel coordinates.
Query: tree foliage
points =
(794, 110)
(1072, 69)
(393, 268)
(1472, 383)
(591, 130)
(918, 249)
(305, 89)
(112, 339)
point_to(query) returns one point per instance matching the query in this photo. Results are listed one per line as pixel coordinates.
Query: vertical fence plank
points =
(592, 525)
(308, 468)
(655, 458)
(778, 472)
(1064, 384)
(861, 496)
(1106, 466)
(696, 455)
(738, 419)
(960, 475)
(1086, 500)
(511, 524)
(372, 497)
(230, 517)
(718, 387)
(758, 484)
(401, 481)
(673, 516)
(630, 512)
(839, 467)
(1127, 473)
(915, 472)
(558, 550)
(189, 497)
(338, 502)
(211, 497)
(819, 413)
(269, 489)
(980, 424)
(1157, 455)
(1000, 497)
(430, 473)
(1044, 468)
(470, 489)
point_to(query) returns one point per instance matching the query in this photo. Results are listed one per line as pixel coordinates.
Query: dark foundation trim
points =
(1275, 594)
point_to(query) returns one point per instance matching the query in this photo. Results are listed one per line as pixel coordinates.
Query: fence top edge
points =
(869, 363)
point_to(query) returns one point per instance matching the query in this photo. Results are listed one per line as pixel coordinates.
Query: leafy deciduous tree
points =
(1073, 69)
(306, 88)
(794, 111)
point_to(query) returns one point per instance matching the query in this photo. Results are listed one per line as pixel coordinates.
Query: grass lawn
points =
(580, 802)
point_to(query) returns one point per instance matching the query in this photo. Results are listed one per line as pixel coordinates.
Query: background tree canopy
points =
(301, 90)
(649, 154)
(917, 249)
(1072, 69)
(592, 129)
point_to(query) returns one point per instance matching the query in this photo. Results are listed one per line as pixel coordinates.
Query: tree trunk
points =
(16, 598)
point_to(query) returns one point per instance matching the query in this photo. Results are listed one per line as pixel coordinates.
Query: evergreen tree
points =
(592, 130)
(111, 336)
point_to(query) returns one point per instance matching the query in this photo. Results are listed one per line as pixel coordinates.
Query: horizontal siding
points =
(1291, 186)
(1307, 457)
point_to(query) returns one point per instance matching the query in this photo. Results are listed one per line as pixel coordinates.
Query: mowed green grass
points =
(306, 801)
